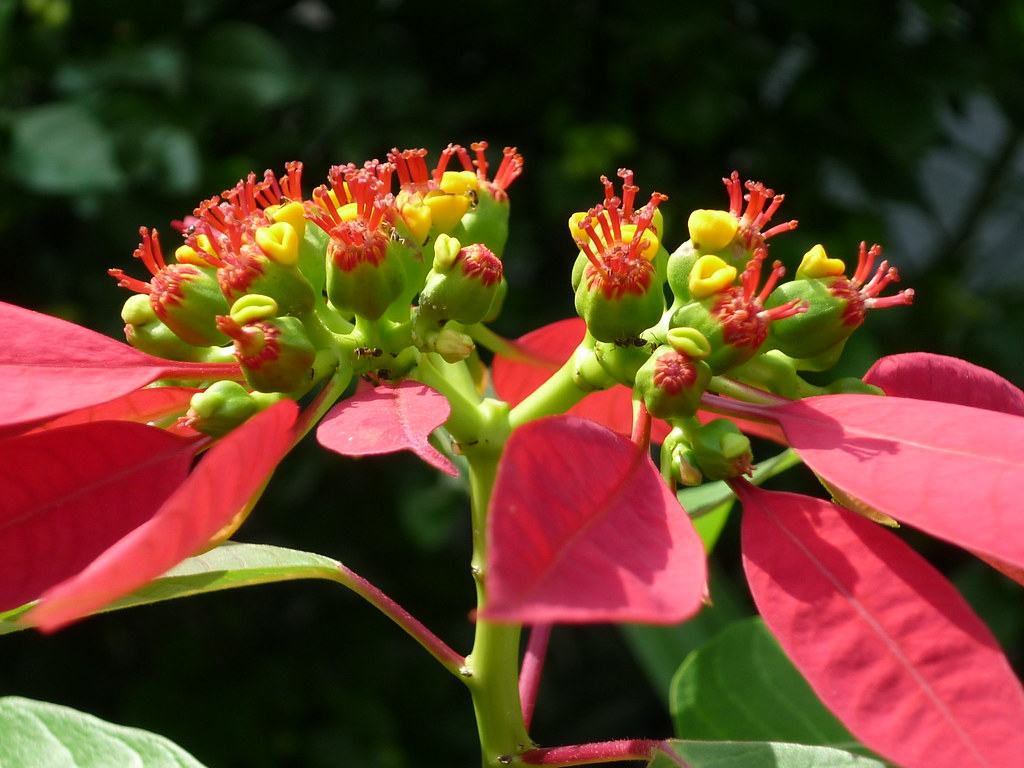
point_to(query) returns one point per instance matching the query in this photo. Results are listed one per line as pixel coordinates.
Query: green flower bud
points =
(146, 332)
(721, 450)
(678, 462)
(222, 407)
(275, 353)
(732, 317)
(836, 304)
(618, 292)
(463, 282)
(671, 383)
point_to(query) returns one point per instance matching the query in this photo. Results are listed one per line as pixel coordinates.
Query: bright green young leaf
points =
(228, 566)
(740, 686)
(759, 754)
(36, 734)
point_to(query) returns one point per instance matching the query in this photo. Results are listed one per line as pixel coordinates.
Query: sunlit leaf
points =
(883, 638)
(758, 754)
(71, 493)
(49, 367)
(952, 471)
(230, 565)
(583, 529)
(37, 734)
(225, 483)
(739, 686)
(388, 419)
(926, 376)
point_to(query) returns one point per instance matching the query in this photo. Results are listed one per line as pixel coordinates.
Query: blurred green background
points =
(891, 122)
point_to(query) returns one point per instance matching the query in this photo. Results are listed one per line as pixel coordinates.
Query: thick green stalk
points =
(491, 668)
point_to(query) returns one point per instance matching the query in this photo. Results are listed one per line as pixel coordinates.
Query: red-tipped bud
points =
(721, 450)
(673, 379)
(836, 304)
(275, 353)
(463, 282)
(732, 315)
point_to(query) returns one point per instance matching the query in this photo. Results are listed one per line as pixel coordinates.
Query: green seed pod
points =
(147, 333)
(365, 279)
(721, 450)
(462, 283)
(671, 383)
(275, 353)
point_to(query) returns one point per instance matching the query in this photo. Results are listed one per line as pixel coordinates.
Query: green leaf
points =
(230, 565)
(36, 734)
(741, 686)
(62, 149)
(759, 754)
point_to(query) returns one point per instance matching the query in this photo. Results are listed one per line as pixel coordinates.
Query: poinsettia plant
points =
(590, 450)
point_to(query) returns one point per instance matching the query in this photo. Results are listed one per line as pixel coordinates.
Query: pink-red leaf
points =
(925, 376)
(49, 367)
(142, 405)
(582, 528)
(68, 494)
(886, 642)
(953, 471)
(388, 419)
(226, 481)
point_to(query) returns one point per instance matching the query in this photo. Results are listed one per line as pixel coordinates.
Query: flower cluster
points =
(125, 460)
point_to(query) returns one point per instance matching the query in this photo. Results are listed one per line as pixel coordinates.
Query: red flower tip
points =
(619, 264)
(479, 262)
(740, 308)
(364, 236)
(674, 372)
(412, 171)
(753, 219)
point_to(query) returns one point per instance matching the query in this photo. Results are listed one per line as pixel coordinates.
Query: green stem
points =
(465, 422)
(556, 395)
(491, 668)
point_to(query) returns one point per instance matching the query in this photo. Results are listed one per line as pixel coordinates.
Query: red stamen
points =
(291, 184)
(732, 186)
(481, 161)
(769, 285)
(510, 169)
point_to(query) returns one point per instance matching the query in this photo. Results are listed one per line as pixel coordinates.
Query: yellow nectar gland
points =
(279, 242)
(711, 231)
(710, 275)
(816, 264)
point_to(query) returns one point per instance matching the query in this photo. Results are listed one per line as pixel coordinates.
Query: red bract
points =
(582, 528)
(950, 380)
(925, 376)
(142, 405)
(952, 471)
(388, 419)
(886, 642)
(50, 367)
(224, 486)
(71, 493)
